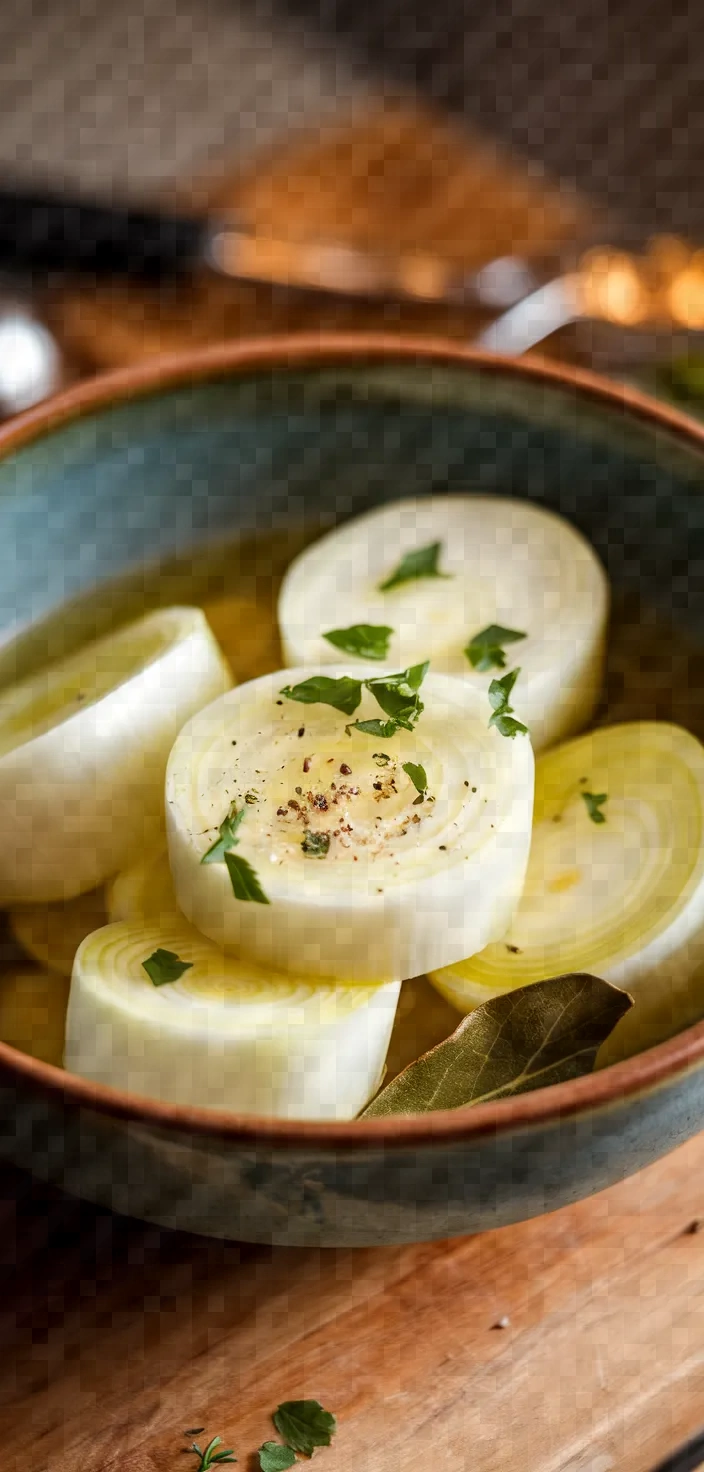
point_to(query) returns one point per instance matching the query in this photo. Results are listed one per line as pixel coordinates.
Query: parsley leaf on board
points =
(343, 694)
(594, 801)
(417, 776)
(210, 1456)
(367, 641)
(165, 966)
(244, 881)
(485, 650)
(304, 1425)
(316, 845)
(422, 563)
(227, 830)
(273, 1457)
(499, 697)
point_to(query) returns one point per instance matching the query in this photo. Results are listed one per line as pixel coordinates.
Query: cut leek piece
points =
(499, 562)
(360, 875)
(614, 887)
(225, 1035)
(33, 1012)
(83, 750)
(145, 891)
(52, 934)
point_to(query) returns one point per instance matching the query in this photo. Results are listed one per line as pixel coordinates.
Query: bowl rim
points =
(646, 1071)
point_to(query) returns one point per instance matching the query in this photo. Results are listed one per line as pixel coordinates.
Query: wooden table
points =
(118, 1336)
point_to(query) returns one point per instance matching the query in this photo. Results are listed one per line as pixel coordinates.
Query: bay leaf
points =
(536, 1035)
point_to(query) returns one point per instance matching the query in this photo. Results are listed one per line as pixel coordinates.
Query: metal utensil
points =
(663, 288)
(31, 363)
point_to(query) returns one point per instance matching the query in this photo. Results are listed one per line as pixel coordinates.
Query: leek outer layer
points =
(408, 880)
(83, 752)
(225, 1035)
(503, 561)
(145, 891)
(623, 898)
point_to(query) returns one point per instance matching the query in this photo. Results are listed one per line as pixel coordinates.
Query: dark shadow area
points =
(604, 96)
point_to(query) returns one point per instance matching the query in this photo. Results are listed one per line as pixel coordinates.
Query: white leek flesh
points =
(505, 562)
(225, 1035)
(623, 898)
(145, 891)
(83, 751)
(406, 883)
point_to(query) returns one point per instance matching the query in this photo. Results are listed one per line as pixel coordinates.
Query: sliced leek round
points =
(83, 750)
(615, 882)
(360, 873)
(52, 934)
(480, 561)
(145, 891)
(33, 1012)
(224, 1034)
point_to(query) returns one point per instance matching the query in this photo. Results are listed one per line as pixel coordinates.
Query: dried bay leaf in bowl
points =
(536, 1035)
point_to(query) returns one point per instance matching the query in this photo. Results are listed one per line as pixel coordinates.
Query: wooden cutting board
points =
(116, 1337)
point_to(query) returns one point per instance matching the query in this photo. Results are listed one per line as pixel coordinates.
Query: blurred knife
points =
(50, 234)
(43, 232)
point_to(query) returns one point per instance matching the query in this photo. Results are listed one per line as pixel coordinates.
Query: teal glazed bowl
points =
(170, 464)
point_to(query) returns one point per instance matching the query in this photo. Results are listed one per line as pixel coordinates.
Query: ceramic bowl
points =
(250, 439)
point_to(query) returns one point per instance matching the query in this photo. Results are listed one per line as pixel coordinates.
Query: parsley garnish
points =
(304, 1425)
(398, 697)
(210, 1456)
(273, 1457)
(165, 966)
(368, 641)
(594, 802)
(423, 563)
(244, 881)
(499, 693)
(396, 694)
(316, 845)
(418, 778)
(227, 830)
(343, 694)
(375, 727)
(485, 650)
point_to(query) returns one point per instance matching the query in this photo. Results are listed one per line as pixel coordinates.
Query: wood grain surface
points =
(116, 1337)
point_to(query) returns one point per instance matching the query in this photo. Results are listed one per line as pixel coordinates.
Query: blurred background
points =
(452, 133)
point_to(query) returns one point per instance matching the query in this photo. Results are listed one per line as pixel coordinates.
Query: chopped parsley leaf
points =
(227, 830)
(343, 694)
(244, 881)
(418, 778)
(304, 1425)
(503, 718)
(316, 845)
(594, 801)
(367, 641)
(485, 650)
(273, 1457)
(422, 563)
(165, 966)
